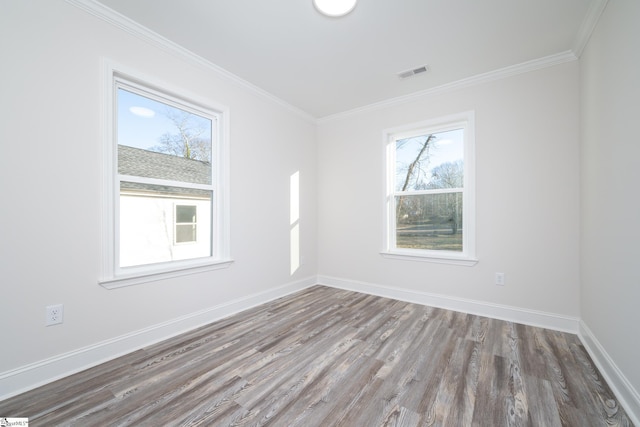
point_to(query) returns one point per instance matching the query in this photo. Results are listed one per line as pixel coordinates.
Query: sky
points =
(447, 147)
(142, 121)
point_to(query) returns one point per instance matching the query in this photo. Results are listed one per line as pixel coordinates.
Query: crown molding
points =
(501, 73)
(132, 27)
(126, 24)
(596, 7)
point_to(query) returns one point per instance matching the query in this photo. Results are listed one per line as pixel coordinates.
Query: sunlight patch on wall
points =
(294, 221)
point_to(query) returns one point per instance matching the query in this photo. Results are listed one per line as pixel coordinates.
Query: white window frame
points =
(455, 121)
(111, 274)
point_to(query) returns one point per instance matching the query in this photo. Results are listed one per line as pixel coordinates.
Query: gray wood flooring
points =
(329, 357)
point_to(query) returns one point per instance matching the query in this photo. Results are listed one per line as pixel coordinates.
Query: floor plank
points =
(329, 357)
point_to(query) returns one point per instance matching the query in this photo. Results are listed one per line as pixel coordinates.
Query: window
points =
(430, 191)
(185, 231)
(165, 191)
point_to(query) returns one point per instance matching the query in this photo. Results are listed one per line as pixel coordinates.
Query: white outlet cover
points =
(54, 314)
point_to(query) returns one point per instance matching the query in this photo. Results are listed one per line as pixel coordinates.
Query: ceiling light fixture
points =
(334, 8)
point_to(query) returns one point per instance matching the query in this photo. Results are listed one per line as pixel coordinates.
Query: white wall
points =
(610, 208)
(527, 175)
(50, 178)
(527, 192)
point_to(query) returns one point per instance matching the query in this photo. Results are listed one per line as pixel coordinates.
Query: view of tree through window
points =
(429, 181)
(155, 126)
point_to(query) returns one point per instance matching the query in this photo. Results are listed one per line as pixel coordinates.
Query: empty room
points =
(319, 212)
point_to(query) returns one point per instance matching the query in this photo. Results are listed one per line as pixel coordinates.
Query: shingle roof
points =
(150, 164)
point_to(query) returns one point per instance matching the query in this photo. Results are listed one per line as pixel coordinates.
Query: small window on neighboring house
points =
(430, 191)
(165, 184)
(186, 224)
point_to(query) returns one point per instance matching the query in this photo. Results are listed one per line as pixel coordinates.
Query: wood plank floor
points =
(328, 357)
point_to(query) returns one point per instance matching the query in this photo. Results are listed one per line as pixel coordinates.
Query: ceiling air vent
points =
(413, 72)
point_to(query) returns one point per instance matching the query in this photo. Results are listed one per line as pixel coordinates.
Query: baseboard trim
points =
(512, 314)
(625, 392)
(31, 376)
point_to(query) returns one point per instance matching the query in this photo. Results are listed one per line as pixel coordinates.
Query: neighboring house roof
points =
(150, 164)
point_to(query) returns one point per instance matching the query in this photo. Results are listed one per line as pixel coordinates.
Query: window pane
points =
(431, 161)
(157, 140)
(148, 233)
(185, 214)
(429, 221)
(185, 233)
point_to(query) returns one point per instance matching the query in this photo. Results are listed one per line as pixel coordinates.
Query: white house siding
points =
(147, 230)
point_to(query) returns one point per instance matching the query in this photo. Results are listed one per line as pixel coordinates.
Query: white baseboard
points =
(30, 376)
(628, 397)
(625, 392)
(36, 374)
(503, 312)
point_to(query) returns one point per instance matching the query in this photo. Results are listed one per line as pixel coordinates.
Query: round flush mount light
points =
(334, 8)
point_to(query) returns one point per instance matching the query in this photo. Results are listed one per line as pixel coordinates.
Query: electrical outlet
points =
(55, 314)
(500, 279)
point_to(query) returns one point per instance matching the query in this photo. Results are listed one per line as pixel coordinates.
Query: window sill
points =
(443, 259)
(139, 278)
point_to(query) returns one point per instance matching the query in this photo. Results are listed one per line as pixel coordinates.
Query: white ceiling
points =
(326, 66)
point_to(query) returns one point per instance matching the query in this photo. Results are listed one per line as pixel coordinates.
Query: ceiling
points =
(325, 66)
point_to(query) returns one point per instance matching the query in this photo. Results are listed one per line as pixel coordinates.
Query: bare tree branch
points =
(188, 141)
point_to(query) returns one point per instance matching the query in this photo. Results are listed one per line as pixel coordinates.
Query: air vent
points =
(413, 72)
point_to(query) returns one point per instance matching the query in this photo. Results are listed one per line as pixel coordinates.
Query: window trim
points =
(467, 257)
(111, 275)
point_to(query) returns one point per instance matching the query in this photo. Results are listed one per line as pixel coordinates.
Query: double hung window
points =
(430, 190)
(165, 168)
(186, 224)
